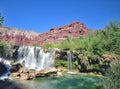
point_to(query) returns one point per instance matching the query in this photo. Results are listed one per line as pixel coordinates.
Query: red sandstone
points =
(21, 37)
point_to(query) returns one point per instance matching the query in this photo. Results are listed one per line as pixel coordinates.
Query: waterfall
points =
(7, 65)
(35, 57)
(69, 58)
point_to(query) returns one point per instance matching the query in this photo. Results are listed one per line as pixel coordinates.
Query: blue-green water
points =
(68, 81)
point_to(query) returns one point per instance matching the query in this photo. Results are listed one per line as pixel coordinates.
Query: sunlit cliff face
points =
(23, 37)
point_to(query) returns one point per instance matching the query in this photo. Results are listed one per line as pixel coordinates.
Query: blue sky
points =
(41, 15)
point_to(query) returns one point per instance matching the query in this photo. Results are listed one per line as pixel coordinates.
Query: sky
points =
(41, 15)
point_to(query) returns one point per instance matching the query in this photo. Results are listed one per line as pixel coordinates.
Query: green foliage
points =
(61, 63)
(96, 43)
(89, 49)
(35, 45)
(69, 38)
(1, 19)
(48, 45)
(111, 36)
(112, 80)
(3, 49)
(113, 25)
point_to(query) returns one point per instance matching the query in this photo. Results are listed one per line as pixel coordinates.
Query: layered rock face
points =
(56, 34)
(16, 36)
(21, 37)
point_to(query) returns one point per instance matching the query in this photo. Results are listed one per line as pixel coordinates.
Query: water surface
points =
(68, 81)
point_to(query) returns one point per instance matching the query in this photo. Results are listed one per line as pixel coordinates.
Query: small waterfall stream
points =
(69, 58)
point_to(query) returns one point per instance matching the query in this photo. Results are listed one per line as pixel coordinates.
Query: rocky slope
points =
(21, 37)
(17, 36)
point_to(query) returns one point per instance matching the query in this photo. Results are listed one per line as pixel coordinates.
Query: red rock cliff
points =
(22, 37)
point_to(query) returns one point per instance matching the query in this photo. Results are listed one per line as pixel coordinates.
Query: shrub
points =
(48, 45)
(61, 63)
(4, 49)
(112, 80)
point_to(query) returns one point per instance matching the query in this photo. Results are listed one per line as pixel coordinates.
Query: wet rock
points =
(61, 69)
(46, 72)
(59, 74)
(2, 68)
(15, 67)
(25, 74)
(16, 75)
(110, 57)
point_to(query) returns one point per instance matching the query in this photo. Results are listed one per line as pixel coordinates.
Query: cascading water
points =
(69, 58)
(7, 65)
(35, 57)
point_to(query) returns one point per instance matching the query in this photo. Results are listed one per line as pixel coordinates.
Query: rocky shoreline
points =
(25, 74)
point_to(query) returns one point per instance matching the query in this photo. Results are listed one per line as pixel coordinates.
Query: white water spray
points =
(35, 57)
(8, 66)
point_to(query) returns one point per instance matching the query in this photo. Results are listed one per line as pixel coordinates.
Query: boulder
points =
(46, 72)
(16, 67)
(25, 74)
(59, 73)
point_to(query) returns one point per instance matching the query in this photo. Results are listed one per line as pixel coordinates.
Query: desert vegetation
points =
(98, 52)
(112, 80)
(95, 43)
(4, 49)
(89, 52)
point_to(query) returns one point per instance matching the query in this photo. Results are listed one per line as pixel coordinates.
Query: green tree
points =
(114, 25)
(112, 37)
(1, 19)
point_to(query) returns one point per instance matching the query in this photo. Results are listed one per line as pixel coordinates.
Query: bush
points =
(61, 63)
(48, 45)
(112, 80)
(4, 49)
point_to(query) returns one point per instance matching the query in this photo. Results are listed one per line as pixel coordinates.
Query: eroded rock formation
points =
(21, 37)
(17, 36)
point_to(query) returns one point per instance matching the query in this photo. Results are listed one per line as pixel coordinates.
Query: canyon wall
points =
(23, 37)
